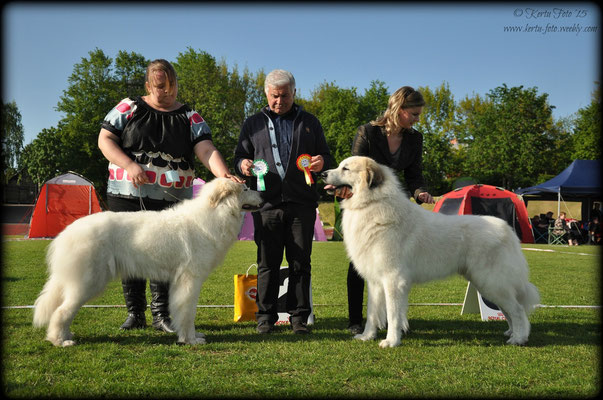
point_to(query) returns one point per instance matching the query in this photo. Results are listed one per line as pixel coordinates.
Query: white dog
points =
(395, 243)
(180, 245)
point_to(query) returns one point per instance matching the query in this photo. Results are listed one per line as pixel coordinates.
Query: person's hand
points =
(137, 174)
(246, 166)
(316, 163)
(344, 192)
(426, 198)
(234, 178)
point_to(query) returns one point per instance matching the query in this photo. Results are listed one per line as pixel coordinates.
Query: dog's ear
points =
(375, 176)
(222, 191)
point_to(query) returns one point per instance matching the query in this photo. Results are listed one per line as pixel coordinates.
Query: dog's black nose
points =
(324, 174)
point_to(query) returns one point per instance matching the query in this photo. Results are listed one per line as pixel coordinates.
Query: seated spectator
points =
(561, 228)
(549, 218)
(584, 230)
(543, 222)
(594, 231)
(539, 229)
(535, 220)
(575, 236)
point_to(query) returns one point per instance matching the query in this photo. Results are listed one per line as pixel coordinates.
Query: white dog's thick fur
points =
(395, 243)
(180, 245)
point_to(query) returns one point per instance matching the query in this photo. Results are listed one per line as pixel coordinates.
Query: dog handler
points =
(289, 146)
(390, 140)
(151, 142)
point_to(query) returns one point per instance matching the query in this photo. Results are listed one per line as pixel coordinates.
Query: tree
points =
(508, 134)
(44, 157)
(130, 71)
(587, 132)
(96, 85)
(556, 151)
(436, 123)
(507, 138)
(374, 101)
(466, 113)
(12, 139)
(253, 85)
(338, 111)
(222, 97)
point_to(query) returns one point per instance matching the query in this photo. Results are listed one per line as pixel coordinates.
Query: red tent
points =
(62, 200)
(489, 200)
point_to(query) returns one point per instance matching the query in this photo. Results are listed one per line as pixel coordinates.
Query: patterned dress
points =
(162, 143)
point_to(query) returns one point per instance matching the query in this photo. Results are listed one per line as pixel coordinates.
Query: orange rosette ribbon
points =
(303, 164)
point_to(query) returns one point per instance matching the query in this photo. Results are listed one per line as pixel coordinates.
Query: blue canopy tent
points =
(581, 181)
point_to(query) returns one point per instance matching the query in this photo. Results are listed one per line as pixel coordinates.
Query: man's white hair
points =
(279, 78)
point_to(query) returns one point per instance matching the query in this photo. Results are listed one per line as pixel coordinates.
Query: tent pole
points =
(559, 202)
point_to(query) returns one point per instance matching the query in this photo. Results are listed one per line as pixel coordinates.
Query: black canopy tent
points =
(581, 181)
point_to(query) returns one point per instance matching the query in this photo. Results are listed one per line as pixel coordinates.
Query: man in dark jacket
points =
(283, 147)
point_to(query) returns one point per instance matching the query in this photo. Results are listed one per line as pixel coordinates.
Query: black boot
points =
(159, 306)
(136, 303)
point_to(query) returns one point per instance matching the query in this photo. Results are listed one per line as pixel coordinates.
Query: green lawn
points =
(445, 354)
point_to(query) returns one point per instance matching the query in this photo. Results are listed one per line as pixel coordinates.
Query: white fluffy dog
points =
(180, 245)
(395, 243)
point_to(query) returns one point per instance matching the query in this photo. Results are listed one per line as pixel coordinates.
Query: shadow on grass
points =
(11, 279)
(492, 332)
(427, 332)
(423, 332)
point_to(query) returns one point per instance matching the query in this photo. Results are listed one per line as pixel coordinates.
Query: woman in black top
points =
(390, 140)
(151, 143)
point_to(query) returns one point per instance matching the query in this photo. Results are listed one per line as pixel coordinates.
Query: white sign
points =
(474, 303)
(283, 315)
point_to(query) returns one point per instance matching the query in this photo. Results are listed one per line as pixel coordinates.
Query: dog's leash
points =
(143, 208)
(169, 194)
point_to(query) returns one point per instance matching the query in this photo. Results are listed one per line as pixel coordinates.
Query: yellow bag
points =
(245, 290)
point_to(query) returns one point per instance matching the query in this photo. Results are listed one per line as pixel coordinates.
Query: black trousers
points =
(289, 228)
(125, 204)
(355, 296)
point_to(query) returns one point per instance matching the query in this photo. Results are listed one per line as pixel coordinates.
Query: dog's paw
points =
(388, 343)
(508, 333)
(405, 326)
(192, 338)
(364, 337)
(193, 342)
(199, 340)
(62, 342)
(517, 341)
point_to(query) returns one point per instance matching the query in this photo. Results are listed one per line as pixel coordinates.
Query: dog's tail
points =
(530, 297)
(51, 296)
(47, 302)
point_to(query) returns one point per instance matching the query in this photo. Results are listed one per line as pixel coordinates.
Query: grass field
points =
(445, 354)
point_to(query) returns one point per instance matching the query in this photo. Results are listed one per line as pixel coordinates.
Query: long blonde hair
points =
(162, 65)
(405, 97)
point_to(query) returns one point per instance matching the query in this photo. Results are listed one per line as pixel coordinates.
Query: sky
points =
(472, 47)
